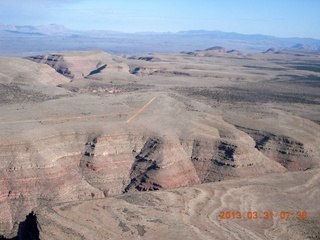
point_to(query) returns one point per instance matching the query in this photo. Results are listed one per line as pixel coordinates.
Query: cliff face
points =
(221, 160)
(289, 152)
(81, 64)
(74, 167)
(41, 171)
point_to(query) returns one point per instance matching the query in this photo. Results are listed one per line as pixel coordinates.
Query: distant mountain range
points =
(29, 40)
(40, 30)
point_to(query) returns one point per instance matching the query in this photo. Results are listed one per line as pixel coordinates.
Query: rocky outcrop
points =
(290, 153)
(157, 71)
(144, 167)
(216, 49)
(93, 166)
(38, 172)
(210, 52)
(55, 61)
(272, 51)
(226, 159)
(145, 58)
(162, 163)
(82, 64)
(28, 229)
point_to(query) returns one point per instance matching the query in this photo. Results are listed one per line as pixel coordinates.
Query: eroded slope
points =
(62, 162)
(24, 81)
(151, 123)
(194, 212)
(75, 65)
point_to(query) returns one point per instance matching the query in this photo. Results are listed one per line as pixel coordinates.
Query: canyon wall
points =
(71, 167)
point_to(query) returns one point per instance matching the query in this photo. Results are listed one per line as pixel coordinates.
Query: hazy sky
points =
(283, 18)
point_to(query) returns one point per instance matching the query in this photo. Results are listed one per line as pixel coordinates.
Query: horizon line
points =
(153, 32)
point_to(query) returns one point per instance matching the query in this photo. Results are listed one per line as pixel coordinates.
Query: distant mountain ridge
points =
(42, 29)
(53, 37)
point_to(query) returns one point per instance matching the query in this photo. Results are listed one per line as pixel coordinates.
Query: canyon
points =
(83, 134)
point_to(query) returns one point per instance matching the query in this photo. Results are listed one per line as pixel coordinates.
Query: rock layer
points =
(81, 64)
(94, 166)
(130, 124)
(290, 153)
(195, 212)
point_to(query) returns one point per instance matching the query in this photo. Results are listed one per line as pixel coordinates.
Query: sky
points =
(281, 18)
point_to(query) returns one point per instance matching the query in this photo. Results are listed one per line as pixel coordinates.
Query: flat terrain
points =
(84, 133)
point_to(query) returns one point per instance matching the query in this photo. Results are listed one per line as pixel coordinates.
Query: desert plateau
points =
(200, 144)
